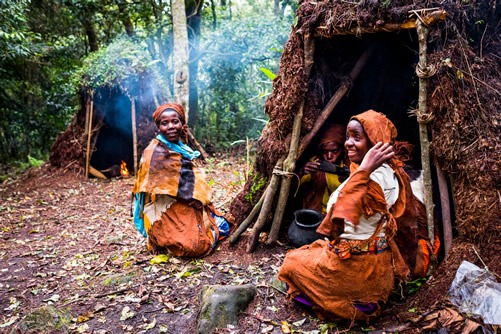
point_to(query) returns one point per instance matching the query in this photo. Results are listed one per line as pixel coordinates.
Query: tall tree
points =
(193, 16)
(181, 70)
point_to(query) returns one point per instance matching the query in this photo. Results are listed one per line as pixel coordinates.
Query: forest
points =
(52, 50)
(261, 81)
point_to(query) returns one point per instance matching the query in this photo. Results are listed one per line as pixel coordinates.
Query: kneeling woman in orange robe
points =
(371, 224)
(172, 199)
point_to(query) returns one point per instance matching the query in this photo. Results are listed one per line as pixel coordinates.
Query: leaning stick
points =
(250, 218)
(134, 132)
(340, 93)
(285, 188)
(446, 209)
(290, 162)
(265, 209)
(422, 32)
(89, 135)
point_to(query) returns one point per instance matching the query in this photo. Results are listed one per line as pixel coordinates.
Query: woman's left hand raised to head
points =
(376, 156)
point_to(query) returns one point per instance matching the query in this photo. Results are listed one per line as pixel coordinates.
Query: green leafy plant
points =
(268, 73)
(413, 286)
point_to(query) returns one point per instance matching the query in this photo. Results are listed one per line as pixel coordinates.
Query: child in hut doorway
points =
(316, 185)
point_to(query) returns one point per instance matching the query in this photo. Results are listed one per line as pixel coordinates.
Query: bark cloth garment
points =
(342, 276)
(165, 183)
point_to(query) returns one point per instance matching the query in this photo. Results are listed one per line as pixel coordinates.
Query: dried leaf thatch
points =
(464, 95)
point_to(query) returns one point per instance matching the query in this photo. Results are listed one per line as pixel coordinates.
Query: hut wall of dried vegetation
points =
(463, 95)
(113, 125)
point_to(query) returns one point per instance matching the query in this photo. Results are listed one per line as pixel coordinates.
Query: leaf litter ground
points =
(71, 261)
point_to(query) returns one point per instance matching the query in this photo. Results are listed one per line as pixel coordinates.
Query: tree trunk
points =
(214, 15)
(193, 12)
(91, 33)
(125, 18)
(180, 55)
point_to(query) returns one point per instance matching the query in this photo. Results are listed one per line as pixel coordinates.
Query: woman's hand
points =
(311, 166)
(376, 156)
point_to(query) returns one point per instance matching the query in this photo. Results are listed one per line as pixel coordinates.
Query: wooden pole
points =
(290, 162)
(250, 218)
(266, 208)
(446, 209)
(89, 135)
(433, 15)
(342, 90)
(294, 152)
(87, 108)
(423, 119)
(134, 132)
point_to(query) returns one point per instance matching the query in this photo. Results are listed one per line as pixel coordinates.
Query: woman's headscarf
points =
(182, 116)
(335, 133)
(379, 128)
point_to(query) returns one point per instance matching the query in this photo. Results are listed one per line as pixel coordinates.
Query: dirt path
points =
(71, 259)
(69, 251)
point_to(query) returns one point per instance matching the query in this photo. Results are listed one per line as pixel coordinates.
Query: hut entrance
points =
(113, 143)
(387, 83)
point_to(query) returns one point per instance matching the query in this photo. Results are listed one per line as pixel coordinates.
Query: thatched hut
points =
(120, 90)
(110, 127)
(323, 67)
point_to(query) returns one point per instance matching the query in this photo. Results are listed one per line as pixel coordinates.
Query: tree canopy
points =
(49, 50)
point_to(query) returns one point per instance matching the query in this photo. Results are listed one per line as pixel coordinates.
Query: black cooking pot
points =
(302, 230)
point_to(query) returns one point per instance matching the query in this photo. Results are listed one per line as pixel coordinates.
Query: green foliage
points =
(37, 97)
(413, 286)
(268, 73)
(15, 37)
(121, 63)
(231, 81)
(45, 60)
(34, 162)
(258, 183)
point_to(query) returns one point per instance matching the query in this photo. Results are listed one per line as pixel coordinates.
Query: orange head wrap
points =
(169, 106)
(377, 127)
(380, 129)
(182, 116)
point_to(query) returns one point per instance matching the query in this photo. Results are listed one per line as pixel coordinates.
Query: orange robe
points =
(182, 230)
(335, 284)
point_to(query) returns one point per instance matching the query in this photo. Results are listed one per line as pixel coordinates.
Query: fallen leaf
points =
(161, 258)
(83, 328)
(126, 313)
(299, 322)
(267, 329)
(99, 307)
(286, 328)
(151, 325)
(9, 322)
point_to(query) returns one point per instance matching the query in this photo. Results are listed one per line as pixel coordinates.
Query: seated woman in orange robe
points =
(371, 224)
(172, 199)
